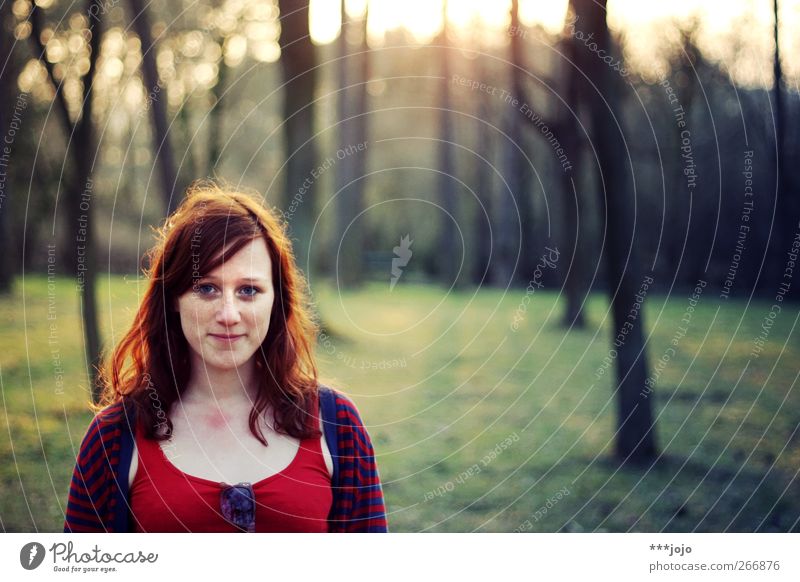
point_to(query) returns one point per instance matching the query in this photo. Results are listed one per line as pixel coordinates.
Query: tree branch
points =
(37, 27)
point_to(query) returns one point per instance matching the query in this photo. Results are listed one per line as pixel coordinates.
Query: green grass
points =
(441, 379)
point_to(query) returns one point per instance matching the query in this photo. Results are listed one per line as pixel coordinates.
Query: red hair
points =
(150, 367)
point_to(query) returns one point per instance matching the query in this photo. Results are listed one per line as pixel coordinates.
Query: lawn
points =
(477, 426)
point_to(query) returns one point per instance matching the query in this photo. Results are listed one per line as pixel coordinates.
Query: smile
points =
(226, 338)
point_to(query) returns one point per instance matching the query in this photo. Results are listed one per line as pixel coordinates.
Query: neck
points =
(207, 384)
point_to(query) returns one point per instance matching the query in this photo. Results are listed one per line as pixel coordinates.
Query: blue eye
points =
(204, 289)
(249, 291)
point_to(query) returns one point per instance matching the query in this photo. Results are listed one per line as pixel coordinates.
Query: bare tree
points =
(685, 64)
(448, 251)
(162, 146)
(481, 268)
(358, 160)
(353, 72)
(787, 211)
(572, 267)
(518, 155)
(216, 115)
(507, 223)
(299, 65)
(562, 131)
(83, 147)
(8, 78)
(635, 442)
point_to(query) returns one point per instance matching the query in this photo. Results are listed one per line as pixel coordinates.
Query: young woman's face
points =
(225, 316)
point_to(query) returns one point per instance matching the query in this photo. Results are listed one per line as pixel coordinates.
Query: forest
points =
(593, 192)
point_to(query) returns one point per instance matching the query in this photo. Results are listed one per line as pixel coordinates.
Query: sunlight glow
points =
(728, 30)
(423, 18)
(325, 20)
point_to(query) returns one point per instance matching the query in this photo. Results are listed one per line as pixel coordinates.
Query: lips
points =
(226, 337)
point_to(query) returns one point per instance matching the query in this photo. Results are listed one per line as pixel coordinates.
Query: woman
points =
(212, 418)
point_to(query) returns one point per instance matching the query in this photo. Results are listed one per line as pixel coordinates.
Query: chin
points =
(225, 361)
(223, 366)
(228, 365)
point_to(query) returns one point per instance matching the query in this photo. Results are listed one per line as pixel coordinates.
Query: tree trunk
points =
(510, 204)
(86, 143)
(8, 83)
(484, 193)
(572, 266)
(353, 72)
(448, 254)
(155, 94)
(678, 213)
(83, 147)
(298, 62)
(359, 158)
(216, 117)
(335, 258)
(529, 248)
(635, 441)
(787, 211)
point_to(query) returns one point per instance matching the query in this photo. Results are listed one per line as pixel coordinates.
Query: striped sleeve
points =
(359, 504)
(92, 493)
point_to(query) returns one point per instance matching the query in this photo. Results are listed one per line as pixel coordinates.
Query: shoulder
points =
(348, 425)
(345, 409)
(109, 422)
(111, 413)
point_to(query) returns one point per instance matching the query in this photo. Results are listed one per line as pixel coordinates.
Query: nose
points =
(228, 313)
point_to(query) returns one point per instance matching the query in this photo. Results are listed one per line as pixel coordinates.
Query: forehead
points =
(252, 261)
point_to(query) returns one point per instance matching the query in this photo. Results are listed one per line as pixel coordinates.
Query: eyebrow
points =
(248, 279)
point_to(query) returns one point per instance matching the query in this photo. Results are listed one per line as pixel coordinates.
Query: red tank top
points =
(165, 499)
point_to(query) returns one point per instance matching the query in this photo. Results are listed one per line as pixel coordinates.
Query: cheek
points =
(259, 317)
(264, 324)
(192, 317)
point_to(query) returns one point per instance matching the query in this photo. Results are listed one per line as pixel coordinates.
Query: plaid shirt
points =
(98, 494)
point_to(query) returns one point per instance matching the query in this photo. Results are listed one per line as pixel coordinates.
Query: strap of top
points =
(327, 405)
(122, 515)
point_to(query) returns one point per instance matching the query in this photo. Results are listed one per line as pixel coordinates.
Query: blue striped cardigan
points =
(98, 494)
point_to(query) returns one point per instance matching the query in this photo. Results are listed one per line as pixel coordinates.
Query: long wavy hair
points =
(150, 367)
